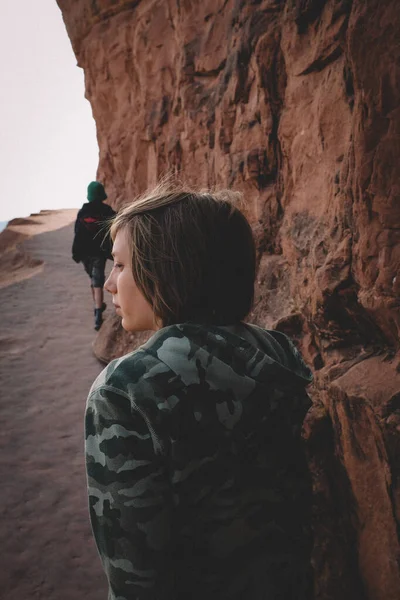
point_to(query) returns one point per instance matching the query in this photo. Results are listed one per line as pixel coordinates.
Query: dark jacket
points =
(198, 483)
(91, 235)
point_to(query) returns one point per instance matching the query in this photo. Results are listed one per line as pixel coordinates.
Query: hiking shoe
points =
(98, 318)
(103, 308)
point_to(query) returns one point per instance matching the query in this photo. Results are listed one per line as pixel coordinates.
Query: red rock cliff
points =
(295, 103)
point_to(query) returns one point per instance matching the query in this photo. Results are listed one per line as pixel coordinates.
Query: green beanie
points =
(96, 191)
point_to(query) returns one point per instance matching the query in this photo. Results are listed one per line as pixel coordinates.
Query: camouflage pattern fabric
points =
(198, 485)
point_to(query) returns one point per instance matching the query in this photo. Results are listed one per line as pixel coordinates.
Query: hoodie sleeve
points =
(130, 500)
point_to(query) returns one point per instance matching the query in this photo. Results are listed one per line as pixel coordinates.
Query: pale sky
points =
(48, 149)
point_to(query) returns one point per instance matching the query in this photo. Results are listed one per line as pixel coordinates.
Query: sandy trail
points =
(46, 370)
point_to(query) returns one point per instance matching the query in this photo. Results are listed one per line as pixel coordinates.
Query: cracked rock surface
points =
(296, 104)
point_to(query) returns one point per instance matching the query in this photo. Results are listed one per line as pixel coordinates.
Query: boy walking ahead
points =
(92, 245)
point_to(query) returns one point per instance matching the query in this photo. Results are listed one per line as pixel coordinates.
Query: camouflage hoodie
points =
(198, 486)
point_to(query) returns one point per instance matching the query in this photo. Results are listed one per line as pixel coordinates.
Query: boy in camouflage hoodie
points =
(198, 484)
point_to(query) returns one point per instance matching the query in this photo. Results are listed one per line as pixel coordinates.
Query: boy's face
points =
(129, 302)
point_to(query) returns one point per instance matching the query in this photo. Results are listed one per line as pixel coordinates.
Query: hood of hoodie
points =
(97, 208)
(234, 377)
(240, 367)
(241, 355)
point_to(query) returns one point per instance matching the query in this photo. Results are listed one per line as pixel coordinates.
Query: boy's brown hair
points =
(193, 254)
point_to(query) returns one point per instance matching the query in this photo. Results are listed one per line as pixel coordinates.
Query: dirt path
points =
(46, 370)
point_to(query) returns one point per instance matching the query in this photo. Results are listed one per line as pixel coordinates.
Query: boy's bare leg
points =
(98, 297)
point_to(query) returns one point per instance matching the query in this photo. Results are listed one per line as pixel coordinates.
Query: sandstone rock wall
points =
(295, 103)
